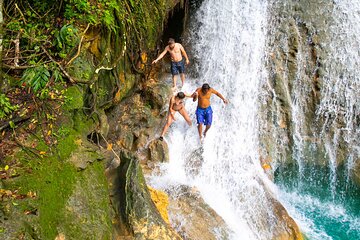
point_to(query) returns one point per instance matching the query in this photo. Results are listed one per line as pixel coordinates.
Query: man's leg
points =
(206, 129)
(174, 81)
(169, 121)
(181, 69)
(182, 76)
(200, 121)
(208, 120)
(174, 72)
(185, 115)
(200, 130)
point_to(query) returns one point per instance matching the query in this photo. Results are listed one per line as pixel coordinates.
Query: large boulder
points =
(192, 217)
(138, 218)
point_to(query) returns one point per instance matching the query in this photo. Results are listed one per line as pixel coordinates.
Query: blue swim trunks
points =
(204, 115)
(177, 67)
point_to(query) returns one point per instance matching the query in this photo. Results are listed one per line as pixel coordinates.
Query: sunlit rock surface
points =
(192, 218)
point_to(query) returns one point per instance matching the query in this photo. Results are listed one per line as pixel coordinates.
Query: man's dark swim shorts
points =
(177, 67)
(204, 115)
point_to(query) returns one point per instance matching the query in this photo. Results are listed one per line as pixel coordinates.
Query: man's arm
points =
(184, 54)
(160, 56)
(220, 96)
(195, 95)
(188, 95)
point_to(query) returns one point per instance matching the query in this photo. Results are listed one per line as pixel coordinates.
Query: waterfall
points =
(318, 82)
(340, 102)
(230, 49)
(264, 57)
(228, 40)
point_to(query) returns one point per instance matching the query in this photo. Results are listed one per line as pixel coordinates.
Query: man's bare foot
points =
(205, 132)
(174, 89)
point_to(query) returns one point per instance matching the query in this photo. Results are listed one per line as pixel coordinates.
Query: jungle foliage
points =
(41, 38)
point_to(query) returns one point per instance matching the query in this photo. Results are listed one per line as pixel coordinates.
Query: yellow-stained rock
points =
(93, 36)
(161, 201)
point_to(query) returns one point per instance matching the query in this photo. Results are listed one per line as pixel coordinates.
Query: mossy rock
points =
(60, 199)
(81, 68)
(74, 98)
(136, 210)
(87, 210)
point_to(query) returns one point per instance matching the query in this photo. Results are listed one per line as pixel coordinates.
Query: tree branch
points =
(79, 47)
(17, 49)
(60, 66)
(16, 6)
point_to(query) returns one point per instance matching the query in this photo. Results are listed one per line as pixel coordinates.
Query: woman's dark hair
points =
(180, 95)
(205, 86)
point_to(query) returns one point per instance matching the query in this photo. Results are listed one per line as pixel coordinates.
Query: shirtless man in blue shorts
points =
(177, 52)
(203, 110)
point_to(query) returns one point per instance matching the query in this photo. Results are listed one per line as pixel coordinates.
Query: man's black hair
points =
(180, 95)
(205, 86)
(171, 40)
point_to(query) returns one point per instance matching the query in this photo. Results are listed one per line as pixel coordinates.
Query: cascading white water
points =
(341, 89)
(228, 41)
(322, 199)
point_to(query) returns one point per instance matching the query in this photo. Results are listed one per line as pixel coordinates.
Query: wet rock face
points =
(273, 219)
(298, 60)
(301, 63)
(138, 216)
(159, 151)
(192, 218)
(289, 229)
(137, 121)
(356, 173)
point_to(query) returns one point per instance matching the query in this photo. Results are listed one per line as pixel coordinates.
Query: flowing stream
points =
(230, 43)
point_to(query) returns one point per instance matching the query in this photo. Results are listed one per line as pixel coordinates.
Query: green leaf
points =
(12, 124)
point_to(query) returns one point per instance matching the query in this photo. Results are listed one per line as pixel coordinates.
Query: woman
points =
(176, 105)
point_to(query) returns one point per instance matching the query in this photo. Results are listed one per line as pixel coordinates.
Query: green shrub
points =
(6, 107)
(66, 39)
(36, 78)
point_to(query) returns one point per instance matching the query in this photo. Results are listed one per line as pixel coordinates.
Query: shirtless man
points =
(176, 51)
(176, 105)
(203, 110)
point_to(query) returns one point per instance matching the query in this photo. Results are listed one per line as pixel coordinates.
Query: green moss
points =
(68, 201)
(127, 85)
(73, 98)
(89, 205)
(67, 144)
(81, 68)
(53, 181)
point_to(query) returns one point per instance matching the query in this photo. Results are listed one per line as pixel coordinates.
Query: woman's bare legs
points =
(186, 116)
(169, 121)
